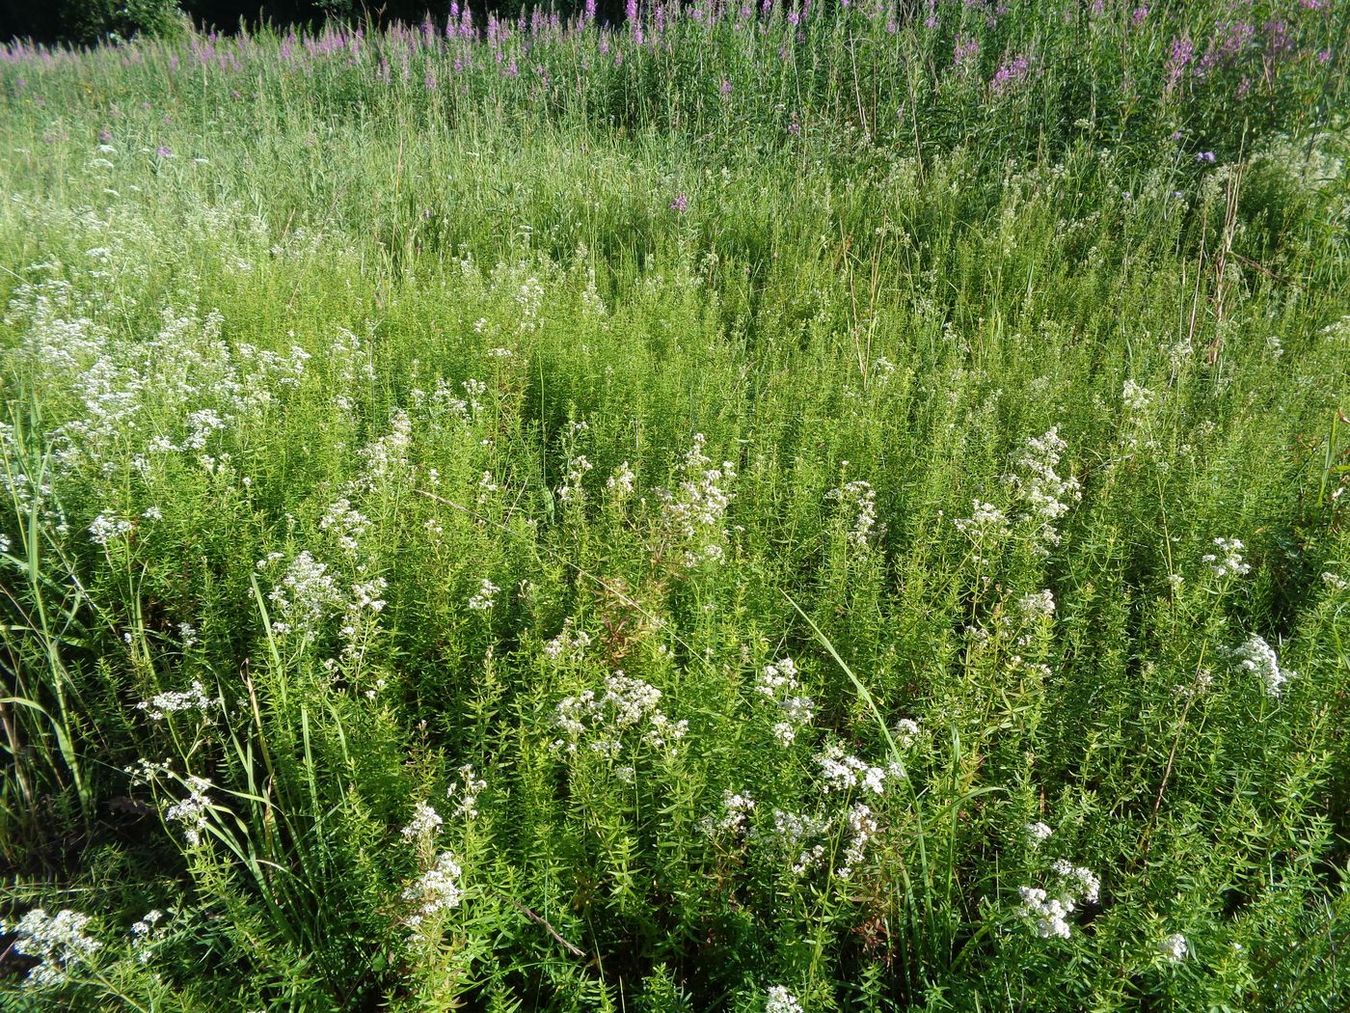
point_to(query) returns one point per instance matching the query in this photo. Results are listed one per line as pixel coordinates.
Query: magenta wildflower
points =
(164, 151)
(1182, 51)
(680, 204)
(726, 86)
(965, 51)
(1139, 16)
(1204, 156)
(1010, 73)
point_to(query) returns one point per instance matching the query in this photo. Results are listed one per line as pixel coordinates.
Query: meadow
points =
(769, 509)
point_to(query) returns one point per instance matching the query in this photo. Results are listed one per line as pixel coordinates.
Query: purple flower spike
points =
(680, 204)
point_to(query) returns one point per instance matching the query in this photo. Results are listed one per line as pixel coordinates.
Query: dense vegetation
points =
(753, 509)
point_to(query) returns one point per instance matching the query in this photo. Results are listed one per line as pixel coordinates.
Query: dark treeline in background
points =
(88, 21)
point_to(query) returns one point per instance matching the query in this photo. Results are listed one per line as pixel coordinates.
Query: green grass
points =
(489, 446)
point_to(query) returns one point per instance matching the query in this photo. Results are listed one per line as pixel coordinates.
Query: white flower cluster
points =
(622, 482)
(436, 890)
(175, 701)
(793, 829)
(906, 732)
(467, 792)
(306, 594)
(693, 514)
(387, 456)
(987, 524)
(737, 809)
(1048, 912)
(861, 829)
(1227, 559)
(191, 811)
(1038, 833)
(571, 491)
(845, 772)
(1040, 604)
(345, 523)
(1174, 948)
(485, 598)
(859, 500)
(626, 703)
(58, 941)
(1137, 398)
(108, 527)
(425, 824)
(144, 934)
(1258, 657)
(1043, 495)
(779, 682)
(569, 644)
(780, 1000)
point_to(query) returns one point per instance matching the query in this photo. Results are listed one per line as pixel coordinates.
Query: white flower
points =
(143, 935)
(436, 890)
(1227, 560)
(108, 527)
(58, 941)
(467, 790)
(485, 598)
(1174, 947)
(906, 733)
(859, 500)
(1089, 886)
(737, 809)
(174, 701)
(425, 822)
(1258, 657)
(1038, 832)
(780, 1000)
(1050, 914)
(191, 811)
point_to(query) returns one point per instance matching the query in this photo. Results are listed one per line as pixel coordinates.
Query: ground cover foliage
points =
(752, 510)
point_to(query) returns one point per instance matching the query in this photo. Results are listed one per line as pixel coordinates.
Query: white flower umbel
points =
(485, 598)
(780, 1000)
(144, 934)
(844, 772)
(58, 941)
(692, 515)
(858, 501)
(1037, 833)
(1042, 495)
(1227, 559)
(1258, 657)
(436, 890)
(1049, 914)
(907, 733)
(735, 818)
(176, 701)
(191, 811)
(1174, 948)
(425, 824)
(779, 682)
